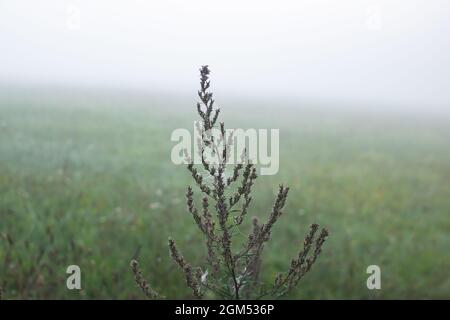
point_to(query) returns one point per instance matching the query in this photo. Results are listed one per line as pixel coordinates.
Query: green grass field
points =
(86, 178)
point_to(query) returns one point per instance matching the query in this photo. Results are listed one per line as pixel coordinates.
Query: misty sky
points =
(387, 51)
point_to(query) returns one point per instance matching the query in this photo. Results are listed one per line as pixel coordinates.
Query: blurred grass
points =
(86, 179)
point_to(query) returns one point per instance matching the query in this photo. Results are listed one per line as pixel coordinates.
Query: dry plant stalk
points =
(141, 282)
(231, 273)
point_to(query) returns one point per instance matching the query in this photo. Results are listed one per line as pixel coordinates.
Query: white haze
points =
(386, 51)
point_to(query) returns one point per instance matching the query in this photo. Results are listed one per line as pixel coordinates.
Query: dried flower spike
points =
(141, 282)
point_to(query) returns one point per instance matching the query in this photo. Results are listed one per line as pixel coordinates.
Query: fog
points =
(388, 51)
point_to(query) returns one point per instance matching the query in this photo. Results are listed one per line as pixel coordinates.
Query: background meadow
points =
(86, 178)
